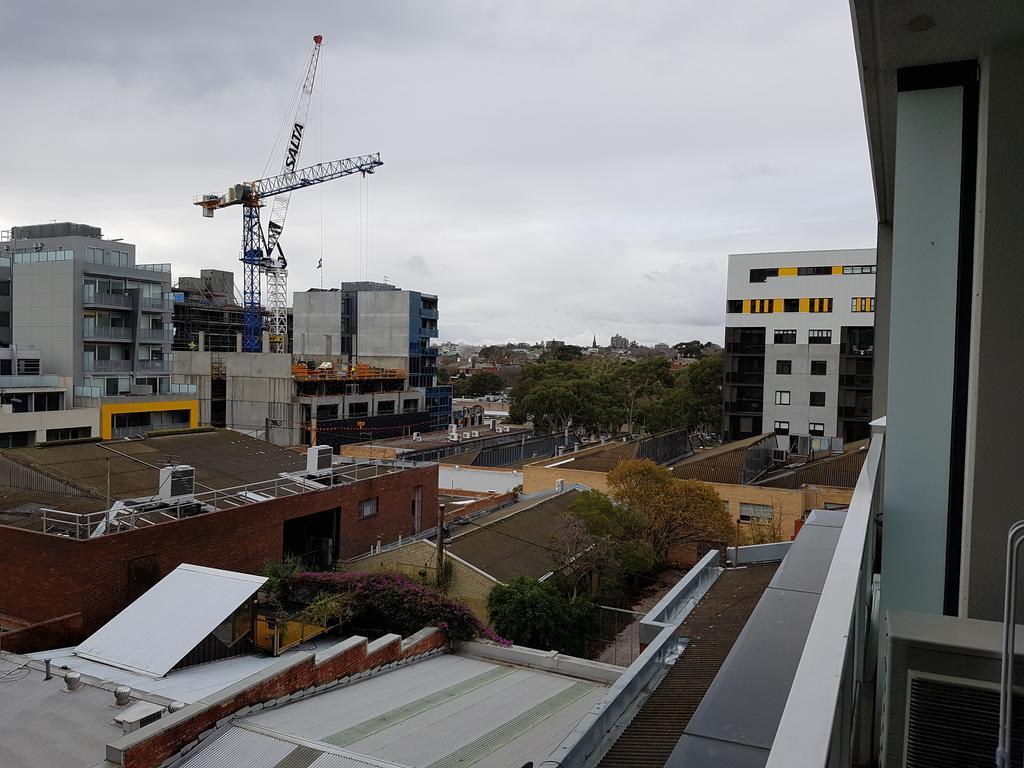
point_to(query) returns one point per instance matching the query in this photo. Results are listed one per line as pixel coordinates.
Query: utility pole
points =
(108, 482)
(440, 545)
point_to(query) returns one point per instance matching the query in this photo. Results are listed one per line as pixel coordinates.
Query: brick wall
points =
(48, 576)
(59, 632)
(418, 559)
(152, 745)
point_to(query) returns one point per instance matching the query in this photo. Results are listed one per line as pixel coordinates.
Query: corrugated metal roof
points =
(158, 630)
(440, 713)
(516, 544)
(834, 471)
(721, 464)
(243, 747)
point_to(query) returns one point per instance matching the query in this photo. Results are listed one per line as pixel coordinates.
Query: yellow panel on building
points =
(778, 305)
(805, 305)
(108, 411)
(787, 271)
(837, 270)
(746, 306)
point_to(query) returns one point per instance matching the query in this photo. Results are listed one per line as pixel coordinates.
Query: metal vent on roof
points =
(177, 481)
(319, 458)
(954, 725)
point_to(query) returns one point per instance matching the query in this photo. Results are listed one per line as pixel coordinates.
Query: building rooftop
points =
(222, 459)
(438, 439)
(450, 710)
(838, 471)
(721, 464)
(516, 541)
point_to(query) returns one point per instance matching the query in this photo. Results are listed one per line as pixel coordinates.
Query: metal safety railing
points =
(136, 513)
(818, 722)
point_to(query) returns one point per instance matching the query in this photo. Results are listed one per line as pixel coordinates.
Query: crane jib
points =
(294, 145)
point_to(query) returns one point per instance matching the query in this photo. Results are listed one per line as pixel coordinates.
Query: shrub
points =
(392, 602)
(535, 614)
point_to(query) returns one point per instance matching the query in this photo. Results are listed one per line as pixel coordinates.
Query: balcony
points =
(734, 377)
(93, 298)
(156, 305)
(856, 381)
(154, 366)
(820, 724)
(156, 334)
(428, 314)
(90, 363)
(108, 332)
(430, 333)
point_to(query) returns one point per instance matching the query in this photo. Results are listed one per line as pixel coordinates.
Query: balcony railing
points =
(90, 363)
(819, 718)
(735, 377)
(93, 298)
(156, 334)
(116, 333)
(155, 366)
(150, 304)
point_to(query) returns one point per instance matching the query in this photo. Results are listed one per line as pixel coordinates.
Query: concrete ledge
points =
(758, 553)
(548, 661)
(418, 637)
(345, 645)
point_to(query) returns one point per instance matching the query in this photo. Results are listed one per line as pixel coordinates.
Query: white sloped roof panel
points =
(159, 629)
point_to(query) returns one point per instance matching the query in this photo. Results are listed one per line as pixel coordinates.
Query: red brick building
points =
(83, 579)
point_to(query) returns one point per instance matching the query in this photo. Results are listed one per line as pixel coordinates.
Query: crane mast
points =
(258, 250)
(276, 268)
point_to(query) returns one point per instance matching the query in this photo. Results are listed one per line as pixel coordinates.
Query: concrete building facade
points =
(100, 321)
(799, 344)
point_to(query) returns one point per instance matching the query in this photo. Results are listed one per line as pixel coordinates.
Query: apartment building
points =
(799, 344)
(100, 320)
(375, 324)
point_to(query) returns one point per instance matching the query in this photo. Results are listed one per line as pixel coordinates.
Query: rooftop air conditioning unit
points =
(319, 459)
(476, 433)
(177, 481)
(416, 437)
(779, 455)
(465, 435)
(940, 694)
(138, 715)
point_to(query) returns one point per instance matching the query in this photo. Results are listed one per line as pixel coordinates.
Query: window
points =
(781, 427)
(814, 270)
(782, 397)
(368, 508)
(865, 269)
(762, 306)
(816, 429)
(5, 367)
(31, 257)
(69, 433)
(326, 412)
(791, 305)
(818, 367)
(760, 275)
(818, 399)
(819, 305)
(5, 319)
(385, 407)
(756, 512)
(862, 304)
(834, 505)
(734, 306)
(785, 337)
(358, 409)
(410, 406)
(819, 337)
(28, 366)
(783, 367)
(5, 287)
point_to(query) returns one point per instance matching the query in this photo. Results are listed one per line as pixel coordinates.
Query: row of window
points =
(814, 336)
(785, 397)
(769, 306)
(761, 275)
(785, 367)
(111, 258)
(814, 428)
(30, 257)
(812, 305)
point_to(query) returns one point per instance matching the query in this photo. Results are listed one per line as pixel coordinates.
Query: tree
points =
(702, 398)
(535, 614)
(563, 352)
(672, 512)
(554, 407)
(478, 385)
(443, 376)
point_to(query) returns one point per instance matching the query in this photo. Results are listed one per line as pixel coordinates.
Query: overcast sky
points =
(552, 169)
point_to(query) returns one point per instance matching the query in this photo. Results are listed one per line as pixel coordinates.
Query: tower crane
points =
(250, 195)
(258, 250)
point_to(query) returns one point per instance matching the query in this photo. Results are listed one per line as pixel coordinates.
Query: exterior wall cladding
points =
(47, 576)
(799, 343)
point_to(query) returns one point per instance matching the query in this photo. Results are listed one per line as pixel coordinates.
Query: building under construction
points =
(208, 313)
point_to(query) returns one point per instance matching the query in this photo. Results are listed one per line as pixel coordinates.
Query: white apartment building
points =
(799, 342)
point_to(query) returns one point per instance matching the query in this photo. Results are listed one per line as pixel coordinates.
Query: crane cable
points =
(322, 223)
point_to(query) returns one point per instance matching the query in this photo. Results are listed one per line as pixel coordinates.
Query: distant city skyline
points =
(546, 165)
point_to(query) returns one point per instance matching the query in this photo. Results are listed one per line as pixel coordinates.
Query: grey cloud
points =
(551, 168)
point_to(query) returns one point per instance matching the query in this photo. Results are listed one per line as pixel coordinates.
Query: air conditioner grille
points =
(955, 726)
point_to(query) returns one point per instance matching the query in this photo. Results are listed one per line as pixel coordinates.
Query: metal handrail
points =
(806, 729)
(1014, 539)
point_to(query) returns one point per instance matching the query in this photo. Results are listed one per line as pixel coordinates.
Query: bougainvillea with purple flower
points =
(394, 603)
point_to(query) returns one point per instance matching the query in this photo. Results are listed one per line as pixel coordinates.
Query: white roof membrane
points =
(159, 629)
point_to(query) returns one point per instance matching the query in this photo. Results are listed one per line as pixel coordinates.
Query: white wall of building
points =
(467, 479)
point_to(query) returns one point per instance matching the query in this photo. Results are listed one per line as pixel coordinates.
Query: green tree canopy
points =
(535, 614)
